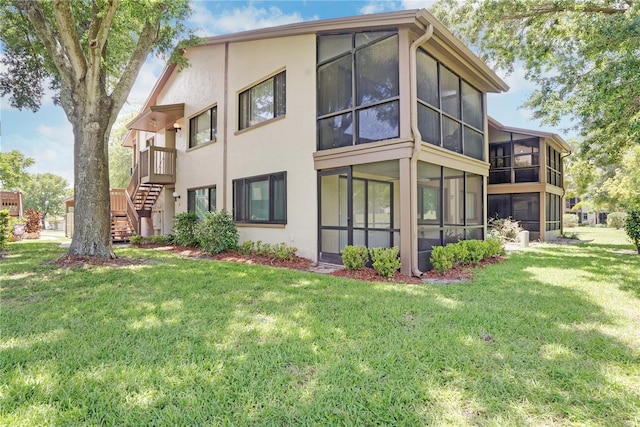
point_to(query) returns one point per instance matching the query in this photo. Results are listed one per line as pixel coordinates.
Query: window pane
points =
(451, 131)
(334, 86)
(526, 146)
(500, 177)
(336, 131)
(259, 200)
(526, 175)
(429, 203)
(526, 207)
(200, 129)
(280, 95)
(429, 125)
(378, 123)
(499, 206)
(453, 197)
(475, 234)
(473, 144)
(279, 198)
(261, 102)
(379, 206)
(239, 200)
(245, 102)
(214, 124)
(369, 36)
(212, 199)
(359, 203)
(330, 46)
(333, 241)
(450, 92)
(471, 106)
(427, 74)
(377, 74)
(379, 239)
(453, 235)
(500, 155)
(474, 212)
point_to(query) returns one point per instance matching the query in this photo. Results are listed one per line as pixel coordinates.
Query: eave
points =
(557, 139)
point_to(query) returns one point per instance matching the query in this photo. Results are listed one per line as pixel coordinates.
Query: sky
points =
(47, 137)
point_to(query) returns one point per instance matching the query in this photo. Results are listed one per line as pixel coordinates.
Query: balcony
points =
(157, 165)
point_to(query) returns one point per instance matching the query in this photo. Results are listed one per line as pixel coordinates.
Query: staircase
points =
(121, 227)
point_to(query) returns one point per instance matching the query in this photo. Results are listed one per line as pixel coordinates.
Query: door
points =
(335, 203)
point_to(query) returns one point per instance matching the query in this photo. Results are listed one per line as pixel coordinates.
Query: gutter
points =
(417, 142)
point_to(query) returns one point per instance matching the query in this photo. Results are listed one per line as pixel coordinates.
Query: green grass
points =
(549, 337)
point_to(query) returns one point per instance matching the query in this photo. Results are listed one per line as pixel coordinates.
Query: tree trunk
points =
(92, 212)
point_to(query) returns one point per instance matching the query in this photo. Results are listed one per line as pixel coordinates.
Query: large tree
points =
(45, 193)
(13, 175)
(583, 55)
(89, 52)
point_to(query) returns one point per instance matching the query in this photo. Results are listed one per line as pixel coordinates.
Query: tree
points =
(46, 193)
(120, 158)
(12, 170)
(90, 53)
(632, 228)
(581, 54)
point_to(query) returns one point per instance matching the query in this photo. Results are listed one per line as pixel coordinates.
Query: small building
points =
(12, 202)
(526, 178)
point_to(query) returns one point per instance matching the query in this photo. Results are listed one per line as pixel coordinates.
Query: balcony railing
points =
(157, 165)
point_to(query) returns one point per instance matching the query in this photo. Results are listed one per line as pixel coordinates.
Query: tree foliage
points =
(120, 158)
(13, 175)
(583, 56)
(46, 193)
(89, 52)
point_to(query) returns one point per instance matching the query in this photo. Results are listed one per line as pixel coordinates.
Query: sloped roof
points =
(538, 133)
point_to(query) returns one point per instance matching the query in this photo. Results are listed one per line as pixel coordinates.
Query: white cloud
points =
(517, 80)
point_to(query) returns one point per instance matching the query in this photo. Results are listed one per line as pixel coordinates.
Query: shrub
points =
(276, 251)
(355, 257)
(247, 247)
(632, 227)
(570, 220)
(441, 259)
(493, 247)
(5, 232)
(385, 260)
(475, 251)
(154, 239)
(459, 253)
(135, 239)
(505, 228)
(616, 219)
(32, 221)
(184, 225)
(217, 232)
(283, 252)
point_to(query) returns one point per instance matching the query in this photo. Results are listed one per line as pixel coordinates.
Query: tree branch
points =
(544, 10)
(69, 35)
(49, 38)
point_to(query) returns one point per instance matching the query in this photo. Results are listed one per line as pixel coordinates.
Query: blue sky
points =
(46, 136)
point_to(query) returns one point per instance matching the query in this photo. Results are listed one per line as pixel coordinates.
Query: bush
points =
(5, 231)
(184, 225)
(276, 251)
(475, 251)
(32, 221)
(154, 239)
(570, 220)
(217, 232)
(616, 219)
(283, 252)
(505, 228)
(442, 259)
(355, 257)
(385, 260)
(632, 227)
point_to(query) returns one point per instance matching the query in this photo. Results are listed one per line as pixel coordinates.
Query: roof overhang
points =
(557, 139)
(157, 117)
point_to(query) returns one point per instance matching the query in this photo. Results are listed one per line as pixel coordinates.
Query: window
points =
(553, 203)
(203, 127)
(358, 88)
(450, 110)
(201, 201)
(263, 102)
(554, 167)
(261, 199)
(521, 207)
(516, 160)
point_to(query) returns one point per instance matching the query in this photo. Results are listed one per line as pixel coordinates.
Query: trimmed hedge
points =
(466, 253)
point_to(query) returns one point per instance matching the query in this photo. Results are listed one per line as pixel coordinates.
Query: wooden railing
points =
(157, 165)
(134, 218)
(118, 200)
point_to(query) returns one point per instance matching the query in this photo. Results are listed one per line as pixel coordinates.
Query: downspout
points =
(417, 142)
(225, 128)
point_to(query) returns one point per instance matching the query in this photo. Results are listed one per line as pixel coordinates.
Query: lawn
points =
(549, 337)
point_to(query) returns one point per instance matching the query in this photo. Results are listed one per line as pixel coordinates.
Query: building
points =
(11, 201)
(366, 130)
(526, 178)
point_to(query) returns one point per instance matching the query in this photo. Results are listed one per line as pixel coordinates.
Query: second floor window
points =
(264, 101)
(514, 161)
(203, 127)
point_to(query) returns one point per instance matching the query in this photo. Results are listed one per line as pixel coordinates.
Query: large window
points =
(521, 207)
(203, 127)
(358, 88)
(450, 208)
(264, 101)
(554, 167)
(553, 206)
(261, 199)
(514, 160)
(450, 110)
(201, 201)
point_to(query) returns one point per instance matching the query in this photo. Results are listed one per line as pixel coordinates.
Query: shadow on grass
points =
(194, 342)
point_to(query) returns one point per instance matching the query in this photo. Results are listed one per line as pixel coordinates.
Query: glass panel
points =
(238, 200)
(451, 131)
(429, 125)
(359, 238)
(500, 155)
(359, 203)
(212, 199)
(526, 175)
(379, 239)
(279, 198)
(427, 75)
(475, 234)
(261, 102)
(453, 196)
(450, 92)
(334, 86)
(378, 123)
(498, 135)
(191, 201)
(333, 202)
(474, 212)
(244, 101)
(280, 94)
(453, 235)
(379, 207)
(214, 124)
(259, 200)
(333, 241)
(336, 132)
(428, 238)
(330, 46)
(377, 74)
(526, 160)
(499, 205)
(200, 127)
(473, 144)
(526, 146)
(500, 177)
(369, 36)
(429, 193)
(526, 207)
(201, 202)
(472, 106)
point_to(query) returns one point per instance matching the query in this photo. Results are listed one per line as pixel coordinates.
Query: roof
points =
(541, 134)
